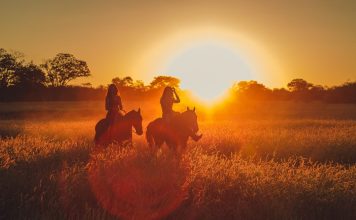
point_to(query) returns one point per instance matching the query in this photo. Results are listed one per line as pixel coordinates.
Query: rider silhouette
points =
(168, 97)
(113, 104)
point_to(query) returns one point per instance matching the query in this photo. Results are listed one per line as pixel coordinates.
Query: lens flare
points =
(133, 185)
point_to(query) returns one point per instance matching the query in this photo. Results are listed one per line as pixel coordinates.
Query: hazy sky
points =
(314, 40)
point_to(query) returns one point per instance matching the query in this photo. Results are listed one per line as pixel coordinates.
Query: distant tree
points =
(30, 75)
(139, 84)
(9, 64)
(280, 94)
(299, 85)
(251, 90)
(123, 82)
(128, 83)
(345, 93)
(249, 86)
(64, 68)
(302, 90)
(163, 81)
(317, 88)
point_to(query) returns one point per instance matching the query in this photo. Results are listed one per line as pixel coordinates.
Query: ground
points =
(297, 162)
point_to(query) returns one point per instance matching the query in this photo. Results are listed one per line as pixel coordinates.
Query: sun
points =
(209, 60)
(209, 68)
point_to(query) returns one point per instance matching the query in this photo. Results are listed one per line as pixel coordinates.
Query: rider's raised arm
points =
(119, 103)
(177, 99)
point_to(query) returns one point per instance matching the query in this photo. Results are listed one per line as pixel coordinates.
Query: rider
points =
(113, 104)
(168, 97)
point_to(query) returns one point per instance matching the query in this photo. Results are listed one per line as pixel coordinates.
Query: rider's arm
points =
(177, 99)
(119, 103)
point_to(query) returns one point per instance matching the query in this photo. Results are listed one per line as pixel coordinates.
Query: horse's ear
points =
(139, 110)
(194, 109)
(188, 108)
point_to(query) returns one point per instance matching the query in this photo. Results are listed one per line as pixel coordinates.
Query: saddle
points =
(113, 118)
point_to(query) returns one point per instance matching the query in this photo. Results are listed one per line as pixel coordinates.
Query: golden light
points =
(209, 68)
(209, 60)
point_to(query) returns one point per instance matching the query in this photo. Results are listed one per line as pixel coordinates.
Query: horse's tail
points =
(97, 132)
(149, 136)
(100, 129)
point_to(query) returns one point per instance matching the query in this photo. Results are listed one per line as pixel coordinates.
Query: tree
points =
(299, 85)
(163, 81)
(123, 82)
(30, 75)
(280, 94)
(251, 90)
(64, 68)
(249, 87)
(139, 84)
(128, 84)
(9, 64)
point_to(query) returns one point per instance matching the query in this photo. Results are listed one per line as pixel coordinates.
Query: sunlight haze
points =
(313, 40)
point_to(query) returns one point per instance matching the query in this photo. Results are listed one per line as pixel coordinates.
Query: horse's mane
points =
(186, 113)
(182, 119)
(131, 114)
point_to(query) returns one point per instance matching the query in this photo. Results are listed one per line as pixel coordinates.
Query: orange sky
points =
(314, 40)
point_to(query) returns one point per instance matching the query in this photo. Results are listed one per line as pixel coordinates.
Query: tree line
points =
(49, 81)
(296, 90)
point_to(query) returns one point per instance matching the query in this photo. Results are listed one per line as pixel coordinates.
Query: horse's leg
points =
(181, 145)
(130, 143)
(172, 145)
(158, 142)
(101, 141)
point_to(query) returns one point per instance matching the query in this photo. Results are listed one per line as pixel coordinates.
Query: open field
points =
(285, 161)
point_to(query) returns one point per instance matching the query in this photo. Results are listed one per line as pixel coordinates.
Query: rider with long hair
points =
(113, 104)
(168, 98)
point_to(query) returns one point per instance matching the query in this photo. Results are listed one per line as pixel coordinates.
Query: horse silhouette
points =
(174, 133)
(121, 129)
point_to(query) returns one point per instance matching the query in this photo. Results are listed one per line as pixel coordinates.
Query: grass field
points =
(297, 162)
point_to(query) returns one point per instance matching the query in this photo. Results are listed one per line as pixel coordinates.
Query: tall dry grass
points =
(49, 177)
(285, 168)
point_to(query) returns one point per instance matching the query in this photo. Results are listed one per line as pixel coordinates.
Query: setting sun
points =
(208, 60)
(208, 68)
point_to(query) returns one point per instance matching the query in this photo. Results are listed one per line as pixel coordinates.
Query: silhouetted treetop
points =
(64, 68)
(30, 75)
(123, 82)
(8, 66)
(163, 81)
(128, 82)
(297, 85)
(250, 89)
(244, 86)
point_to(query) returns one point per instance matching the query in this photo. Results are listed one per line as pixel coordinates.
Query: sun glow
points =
(209, 60)
(209, 68)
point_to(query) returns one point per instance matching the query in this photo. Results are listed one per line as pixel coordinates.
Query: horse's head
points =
(191, 120)
(136, 120)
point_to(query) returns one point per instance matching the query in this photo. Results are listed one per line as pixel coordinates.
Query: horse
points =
(174, 133)
(120, 131)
